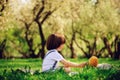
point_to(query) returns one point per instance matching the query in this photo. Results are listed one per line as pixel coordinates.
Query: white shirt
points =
(51, 60)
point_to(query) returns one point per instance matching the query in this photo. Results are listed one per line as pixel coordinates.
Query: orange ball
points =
(93, 61)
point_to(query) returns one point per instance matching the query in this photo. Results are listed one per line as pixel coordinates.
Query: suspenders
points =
(54, 65)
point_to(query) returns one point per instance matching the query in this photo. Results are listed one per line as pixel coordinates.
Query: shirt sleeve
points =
(57, 57)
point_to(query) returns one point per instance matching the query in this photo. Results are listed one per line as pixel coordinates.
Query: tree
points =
(2, 46)
(91, 28)
(3, 4)
(36, 16)
(70, 42)
(112, 47)
(92, 23)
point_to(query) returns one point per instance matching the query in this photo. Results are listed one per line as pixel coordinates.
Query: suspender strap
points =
(54, 65)
(48, 53)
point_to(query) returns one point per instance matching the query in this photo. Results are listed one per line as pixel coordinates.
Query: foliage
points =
(91, 21)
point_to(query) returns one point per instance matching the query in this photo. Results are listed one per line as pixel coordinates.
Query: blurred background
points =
(91, 27)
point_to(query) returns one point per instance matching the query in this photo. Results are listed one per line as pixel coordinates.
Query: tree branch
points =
(40, 11)
(81, 49)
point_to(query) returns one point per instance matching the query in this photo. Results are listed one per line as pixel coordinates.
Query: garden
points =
(90, 28)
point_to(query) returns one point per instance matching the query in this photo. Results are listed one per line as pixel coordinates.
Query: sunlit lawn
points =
(8, 70)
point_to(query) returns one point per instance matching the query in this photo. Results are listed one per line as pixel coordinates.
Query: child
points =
(54, 44)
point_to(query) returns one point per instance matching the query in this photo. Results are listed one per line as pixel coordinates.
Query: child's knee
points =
(67, 69)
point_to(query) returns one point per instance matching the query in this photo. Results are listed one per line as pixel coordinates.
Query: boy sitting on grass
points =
(54, 44)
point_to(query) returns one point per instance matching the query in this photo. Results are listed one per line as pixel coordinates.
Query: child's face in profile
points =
(61, 47)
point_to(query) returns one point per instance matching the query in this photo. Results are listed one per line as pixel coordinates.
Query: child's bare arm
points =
(72, 64)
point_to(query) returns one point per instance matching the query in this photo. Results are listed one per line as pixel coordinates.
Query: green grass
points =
(30, 69)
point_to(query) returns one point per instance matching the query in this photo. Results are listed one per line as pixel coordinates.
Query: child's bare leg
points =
(67, 69)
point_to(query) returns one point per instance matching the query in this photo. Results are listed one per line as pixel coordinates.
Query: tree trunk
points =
(29, 42)
(94, 50)
(2, 46)
(107, 45)
(84, 52)
(43, 41)
(73, 55)
(117, 53)
(117, 47)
